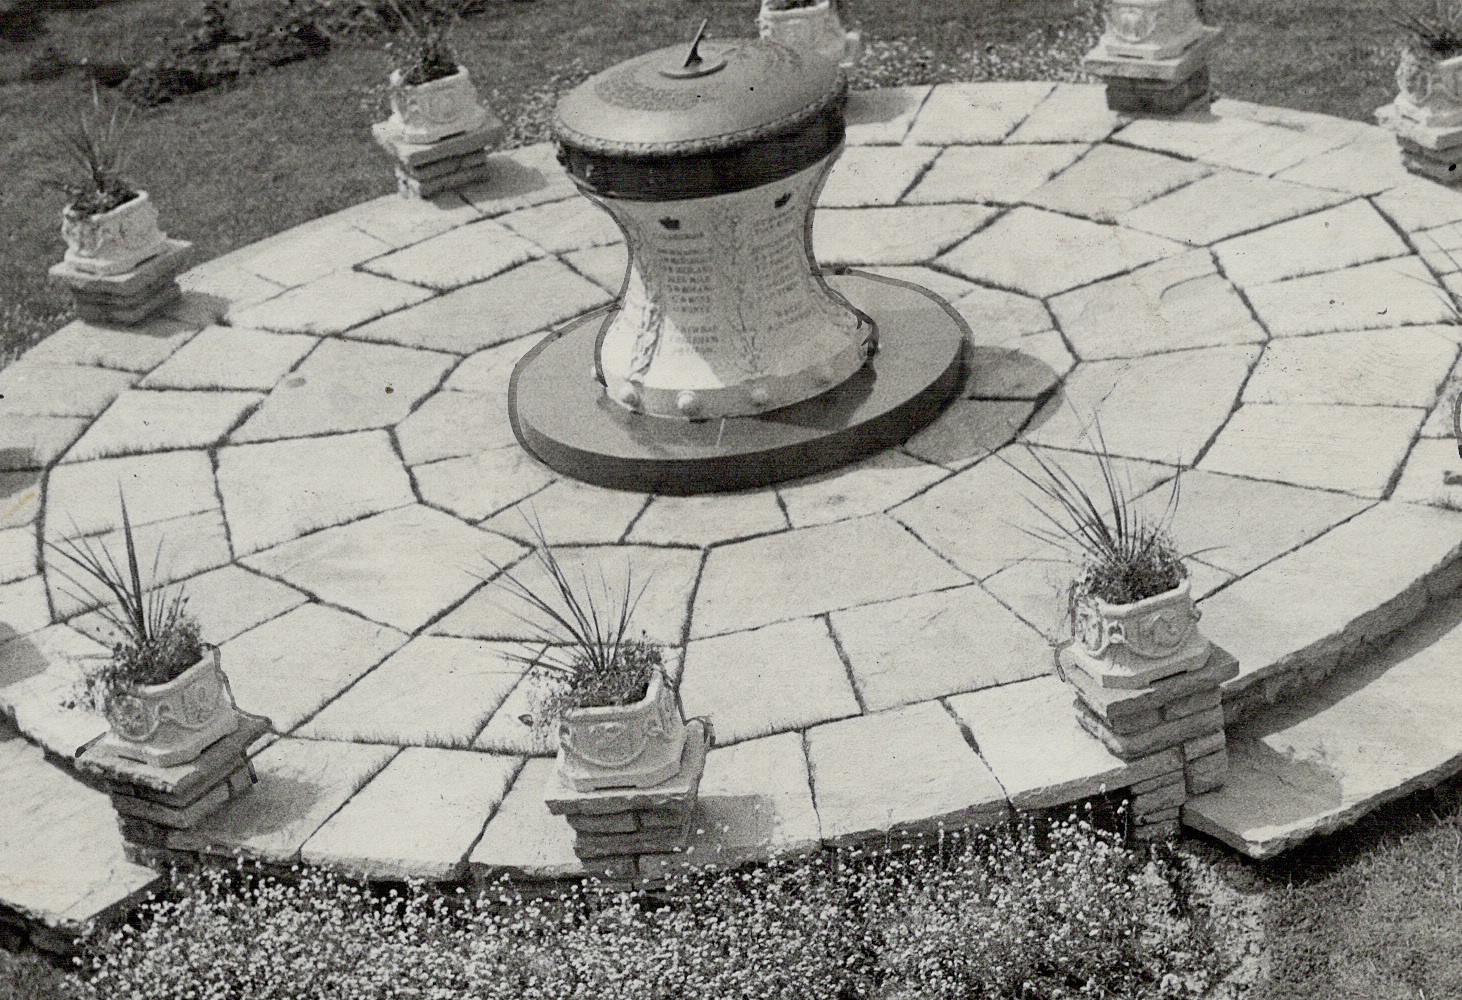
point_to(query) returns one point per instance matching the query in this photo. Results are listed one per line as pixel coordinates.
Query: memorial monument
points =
(730, 359)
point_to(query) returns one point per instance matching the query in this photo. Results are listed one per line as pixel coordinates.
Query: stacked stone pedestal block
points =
(131, 297)
(152, 801)
(613, 827)
(424, 170)
(1175, 722)
(1430, 151)
(1153, 57)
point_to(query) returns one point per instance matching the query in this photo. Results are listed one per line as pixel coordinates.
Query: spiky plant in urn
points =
(432, 95)
(1130, 606)
(1429, 76)
(163, 690)
(618, 716)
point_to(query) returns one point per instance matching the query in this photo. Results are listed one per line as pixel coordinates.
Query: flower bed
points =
(1058, 911)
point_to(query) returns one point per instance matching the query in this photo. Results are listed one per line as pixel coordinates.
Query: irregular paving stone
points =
(1193, 391)
(144, 420)
(1114, 179)
(904, 234)
(755, 803)
(1042, 253)
(1439, 247)
(707, 520)
(970, 518)
(1319, 763)
(906, 770)
(226, 357)
(476, 486)
(222, 281)
(1072, 112)
(310, 251)
(83, 498)
(1433, 474)
(1170, 305)
(402, 567)
(1035, 590)
(523, 837)
(290, 666)
(137, 349)
(571, 513)
(1439, 422)
(668, 576)
(975, 112)
(1326, 594)
(561, 226)
(1401, 367)
(489, 370)
(884, 115)
(346, 387)
(416, 819)
(280, 490)
(519, 178)
(302, 783)
(1386, 293)
(997, 317)
(61, 859)
(512, 729)
(932, 645)
(1064, 765)
(874, 175)
(1189, 136)
(457, 257)
(1240, 524)
(332, 304)
(455, 424)
(1369, 164)
(17, 554)
(533, 297)
(36, 442)
(20, 498)
(181, 547)
(1350, 448)
(869, 487)
(431, 692)
(1009, 373)
(1225, 204)
(1274, 148)
(769, 680)
(1339, 237)
(605, 266)
(32, 389)
(818, 569)
(231, 600)
(968, 430)
(1417, 203)
(992, 173)
(404, 221)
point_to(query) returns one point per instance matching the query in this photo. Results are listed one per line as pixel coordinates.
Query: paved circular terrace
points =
(319, 438)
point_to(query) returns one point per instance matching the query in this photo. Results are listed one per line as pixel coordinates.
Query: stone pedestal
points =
(132, 296)
(152, 801)
(1153, 57)
(1430, 151)
(424, 170)
(613, 827)
(1178, 719)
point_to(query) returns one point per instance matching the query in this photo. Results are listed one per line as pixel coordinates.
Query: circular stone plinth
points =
(561, 414)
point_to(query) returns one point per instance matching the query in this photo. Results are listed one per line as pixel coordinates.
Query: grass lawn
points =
(229, 167)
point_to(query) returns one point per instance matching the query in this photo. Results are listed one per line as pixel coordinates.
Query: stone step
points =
(1388, 726)
(61, 860)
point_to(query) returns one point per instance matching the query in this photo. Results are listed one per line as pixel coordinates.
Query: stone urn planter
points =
(1430, 88)
(432, 111)
(816, 28)
(623, 746)
(1134, 645)
(1151, 29)
(168, 724)
(112, 242)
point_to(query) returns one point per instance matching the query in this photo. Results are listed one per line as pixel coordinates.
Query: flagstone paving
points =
(319, 435)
